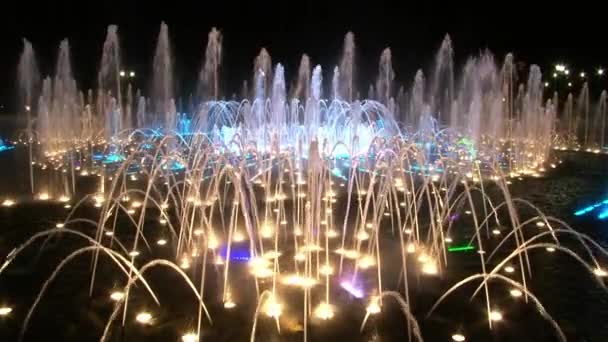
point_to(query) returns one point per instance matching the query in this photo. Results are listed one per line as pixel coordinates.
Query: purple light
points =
(238, 253)
(350, 288)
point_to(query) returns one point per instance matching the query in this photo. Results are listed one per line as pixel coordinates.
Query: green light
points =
(463, 248)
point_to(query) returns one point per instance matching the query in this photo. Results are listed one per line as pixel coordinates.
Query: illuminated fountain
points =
(303, 192)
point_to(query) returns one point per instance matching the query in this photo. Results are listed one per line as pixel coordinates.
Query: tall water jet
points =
(442, 88)
(582, 107)
(386, 75)
(162, 80)
(141, 112)
(263, 64)
(108, 78)
(27, 79)
(473, 102)
(401, 102)
(509, 80)
(335, 84)
(416, 105)
(128, 119)
(209, 75)
(598, 131)
(602, 112)
(245, 90)
(312, 110)
(570, 120)
(316, 83)
(533, 103)
(65, 96)
(278, 115)
(303, 84)
(347, 67)
(43, 121)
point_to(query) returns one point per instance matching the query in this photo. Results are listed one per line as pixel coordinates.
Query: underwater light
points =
(5, 310)
(463, 248)
(352, 289)
(590, 208)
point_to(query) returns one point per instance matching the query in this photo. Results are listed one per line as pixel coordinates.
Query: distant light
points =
(161, 242)
(373, 308)
(567, 72)
(117, 296)
(515, 293)
(600, 71)
(411, 248)
(132, 74)
(324, 311)
(458, 338)
(60, 225)
(560, 68)
(569, 84)
(554, 75)
(509, 269)
(229, 304)
(583, 74)
(144, 318)
(495, 316)
(429, 268)
(5, 310)
(190, 337)
(600, 272)
(546, 84)
(273, 308)
(8, 203)
(362, 235)
(540, 224)
(122, 73)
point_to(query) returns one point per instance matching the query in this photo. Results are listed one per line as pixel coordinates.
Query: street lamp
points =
(132, 74)
(583, 74)
(546, 84)
(569, 84)
(600, 71)
(122, 73)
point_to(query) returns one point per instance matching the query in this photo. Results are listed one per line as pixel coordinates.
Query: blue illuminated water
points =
(238, 253)
(4, 146)
(592, 207)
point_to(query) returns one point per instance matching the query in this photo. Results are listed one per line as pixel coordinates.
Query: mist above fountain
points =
(484, 101)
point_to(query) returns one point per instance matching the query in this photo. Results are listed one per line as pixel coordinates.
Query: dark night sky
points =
(540, 35)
